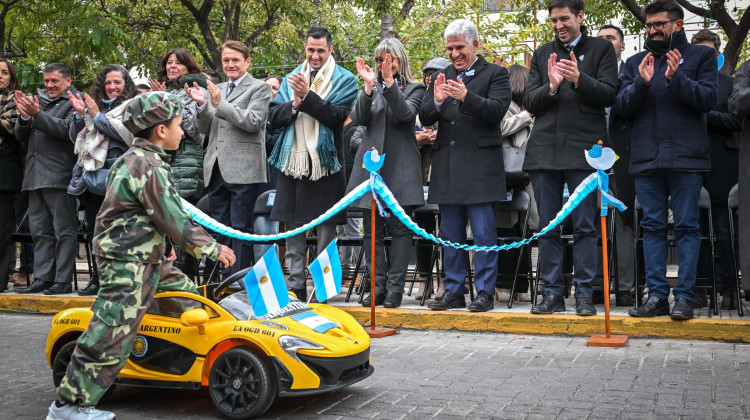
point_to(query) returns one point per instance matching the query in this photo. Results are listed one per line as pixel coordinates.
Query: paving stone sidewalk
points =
(445, 375)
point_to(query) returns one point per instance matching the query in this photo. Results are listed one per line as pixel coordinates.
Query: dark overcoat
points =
(11, 158)
(467, 160)
(302, 200)
(739, 106)
(388, 117)
(573, 119)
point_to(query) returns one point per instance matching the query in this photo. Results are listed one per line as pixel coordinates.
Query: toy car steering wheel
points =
(224, 285)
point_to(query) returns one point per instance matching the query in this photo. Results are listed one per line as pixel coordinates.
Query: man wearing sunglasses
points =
(668, 89)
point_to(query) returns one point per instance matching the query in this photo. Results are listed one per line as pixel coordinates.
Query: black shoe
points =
(448, 301)
(624, 298)
(301, 294)
(482, 303)
(550, 303)
(653, 307)
(36, 287)
(379, 300)
(392, 300)
(91, 290)
(59, 289)
(584, 307)
(597, 298)
(683, 310)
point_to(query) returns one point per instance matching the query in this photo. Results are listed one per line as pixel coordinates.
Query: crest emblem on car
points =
(140, 346)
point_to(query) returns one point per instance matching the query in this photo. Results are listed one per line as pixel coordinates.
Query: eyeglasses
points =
(657, 25)
(379, 60)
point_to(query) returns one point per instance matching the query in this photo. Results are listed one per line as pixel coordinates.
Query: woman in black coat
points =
(387, 107)
(11, 169)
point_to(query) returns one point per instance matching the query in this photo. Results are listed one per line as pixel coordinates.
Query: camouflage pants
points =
(126, 290)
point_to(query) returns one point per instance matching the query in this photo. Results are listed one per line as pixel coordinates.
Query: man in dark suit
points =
(568, 96)
(739, 106)
(468, 99)
(620, 130)
(724, 147)
(668, 89)
(312, 104)
(235, 162)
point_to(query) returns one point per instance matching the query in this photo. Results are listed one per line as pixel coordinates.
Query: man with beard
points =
(669, 89)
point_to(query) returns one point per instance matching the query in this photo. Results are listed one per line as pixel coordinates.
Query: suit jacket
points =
(620, 135)
(724, 145)
(572, 120)
(238, 133)
(302, 200)
(467, 159)
(388, 117)
(669, 128)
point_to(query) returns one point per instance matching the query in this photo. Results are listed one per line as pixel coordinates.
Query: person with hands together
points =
(44, 126)
(11, 169)
(468, 99)
(99, 138)
(234, 114)
(571, 81)
(311, 105)
(668, 90)
(387, 108)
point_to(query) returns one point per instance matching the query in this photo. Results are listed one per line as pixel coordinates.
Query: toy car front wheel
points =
(61, 362)
(241, 384)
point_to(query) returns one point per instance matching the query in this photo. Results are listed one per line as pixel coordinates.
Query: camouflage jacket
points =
(142, 208)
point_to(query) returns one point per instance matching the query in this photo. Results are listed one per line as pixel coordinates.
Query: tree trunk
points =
(386, 27)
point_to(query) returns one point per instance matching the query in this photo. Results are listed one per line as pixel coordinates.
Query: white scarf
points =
(306, 128)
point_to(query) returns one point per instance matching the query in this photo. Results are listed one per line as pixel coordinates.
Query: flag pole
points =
(374, 332)
(607, 340)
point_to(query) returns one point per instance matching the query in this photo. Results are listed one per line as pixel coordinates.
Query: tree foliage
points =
(88, 34)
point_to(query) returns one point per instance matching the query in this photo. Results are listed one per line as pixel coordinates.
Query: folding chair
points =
(734, 206)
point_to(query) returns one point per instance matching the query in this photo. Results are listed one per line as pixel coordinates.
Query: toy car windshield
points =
(238, 305)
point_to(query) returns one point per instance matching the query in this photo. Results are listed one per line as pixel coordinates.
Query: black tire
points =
(60, 366)
(241, 384)
(61, 362)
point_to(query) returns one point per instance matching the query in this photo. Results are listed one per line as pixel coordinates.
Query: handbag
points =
(96, 181)
(513, 157)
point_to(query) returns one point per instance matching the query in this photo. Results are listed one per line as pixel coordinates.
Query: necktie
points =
(569, 47)
(230, 89)
(312, 76)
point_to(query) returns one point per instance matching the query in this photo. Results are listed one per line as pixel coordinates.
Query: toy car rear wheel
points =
(61, 362)
(241, 384)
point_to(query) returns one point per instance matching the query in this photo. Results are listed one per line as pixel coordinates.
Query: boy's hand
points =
(226, 256)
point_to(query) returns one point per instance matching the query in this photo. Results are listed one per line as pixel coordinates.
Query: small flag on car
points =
(265, 285)
(326, 273)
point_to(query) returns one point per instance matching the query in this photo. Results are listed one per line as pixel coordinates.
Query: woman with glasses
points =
(388, 106)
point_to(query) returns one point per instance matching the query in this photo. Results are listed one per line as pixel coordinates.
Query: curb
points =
(494, 322)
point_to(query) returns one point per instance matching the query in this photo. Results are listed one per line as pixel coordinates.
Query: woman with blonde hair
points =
(387, 107)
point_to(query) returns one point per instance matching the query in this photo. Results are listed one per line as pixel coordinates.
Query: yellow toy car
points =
(213, 339)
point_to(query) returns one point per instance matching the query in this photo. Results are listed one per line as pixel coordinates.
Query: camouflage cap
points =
(151, 108)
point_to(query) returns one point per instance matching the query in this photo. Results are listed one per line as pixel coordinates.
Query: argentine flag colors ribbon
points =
(315, 322)
(601, 158)
(265, 285)
(326, 273)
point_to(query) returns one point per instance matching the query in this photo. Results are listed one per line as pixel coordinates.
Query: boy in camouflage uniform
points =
(140, 210)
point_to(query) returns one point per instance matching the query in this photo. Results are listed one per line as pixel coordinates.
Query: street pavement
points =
(445, 375)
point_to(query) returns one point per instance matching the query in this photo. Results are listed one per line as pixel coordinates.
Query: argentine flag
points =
(314, 321)
(265, 285)
(326, 273)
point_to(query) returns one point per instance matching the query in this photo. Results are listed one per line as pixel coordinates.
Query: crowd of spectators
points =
(670, 115)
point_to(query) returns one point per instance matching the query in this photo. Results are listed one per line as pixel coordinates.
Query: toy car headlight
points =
(291, 344)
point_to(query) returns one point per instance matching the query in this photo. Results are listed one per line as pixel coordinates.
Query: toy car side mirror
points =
(195, 318)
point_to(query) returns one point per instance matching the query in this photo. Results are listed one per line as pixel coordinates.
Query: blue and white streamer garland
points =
(595, 181)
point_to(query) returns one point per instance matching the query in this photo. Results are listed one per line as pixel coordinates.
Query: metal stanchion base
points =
(601, 340)
(379, 332)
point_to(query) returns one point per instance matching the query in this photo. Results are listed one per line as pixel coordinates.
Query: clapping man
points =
(235, 161)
